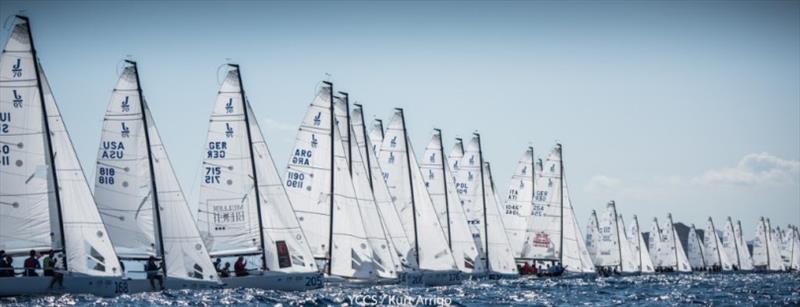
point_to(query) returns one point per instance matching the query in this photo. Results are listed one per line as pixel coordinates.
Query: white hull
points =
(431, 278)
(143, 285)
(78, 284)
(277, 281)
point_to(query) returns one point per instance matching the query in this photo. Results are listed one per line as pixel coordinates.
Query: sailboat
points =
(671, 255)
(384, 259)
(45, 200)
(717, 257)
(435, 262)
(519, 202)
(393, 226)
(730, 245)
(746, 260)
(612, 248)
(784, 245)
(243, 206)
(440, 182)
(643, 260)
(794, 258)
(553, 231)
(321, 190)
(765, 252)
(476, 190)
(139, 197)
(696, 251)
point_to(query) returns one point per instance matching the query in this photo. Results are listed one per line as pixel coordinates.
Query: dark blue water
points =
(699, 289)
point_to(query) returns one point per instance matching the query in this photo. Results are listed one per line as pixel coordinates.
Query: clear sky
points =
(689, 107)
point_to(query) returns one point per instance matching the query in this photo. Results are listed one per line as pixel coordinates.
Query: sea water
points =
(656, 289)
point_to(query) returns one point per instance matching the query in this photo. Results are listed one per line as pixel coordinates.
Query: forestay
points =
(441, 186)
(134, 176)
(30, 162)
(407, 186)
(228, 215)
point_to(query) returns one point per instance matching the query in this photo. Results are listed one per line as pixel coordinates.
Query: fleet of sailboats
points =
(354, 204)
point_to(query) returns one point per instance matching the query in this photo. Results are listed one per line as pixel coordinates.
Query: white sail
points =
(309, 188)
(612, 248)
(671, 247)
(376, 135)
(730, 246)
(128, 167)
(593, 237)
(545, 231)
(794, 262)
(519, 202)
(391, 219)
(784, 245)
(374, 229)
(775, 261)
(500, 253)
(696, 250)
(442, 189)
(629, 255)
(744, 252)
(643, 260)
(228, 215)
(714, 247)
(30, 197)
(765, 252)
(470, 190)
(653, 242)
(455, 156)
(407, 187)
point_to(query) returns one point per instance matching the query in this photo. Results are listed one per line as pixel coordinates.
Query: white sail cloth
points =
(519, 202)
(407, 187)
(309, 186)
(441, 186)
(612, 247)
(765, 250)
(643, 260)
(134, 178)
(696, 250)
(548, 229)
(716, 256)
(29, 204)
(228, 212)
(744, 252)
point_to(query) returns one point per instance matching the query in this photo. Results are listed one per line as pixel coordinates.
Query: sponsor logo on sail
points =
(228, 130)
(126, 107)
(229, 106)
(125, 132)
(393, 142)
(541, 239)
(318, 119)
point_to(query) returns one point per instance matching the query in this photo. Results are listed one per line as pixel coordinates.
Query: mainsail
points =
(391, 219)
(744, 252)
(714, 247)
(612, 248)
(553, 230)
(134, 178)
(407, 186)
(765, 252)
(643, 260)
(696, 250)
(321, 189)
(730, 246)
(519, 202)
(383, 256)
(593, 237)
(442, 189)
(671, 250)
(234, 217)
(500, 254)
(45, 200)
(794, 258)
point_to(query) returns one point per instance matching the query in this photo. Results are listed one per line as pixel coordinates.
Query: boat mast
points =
(444, 184)
(332, 126)
(699, 245)
(52, 155)
(483, 199)
(716, 242)
(156, 203)
(766, 239)
(246, 110)
(639, 243)
(561, 202)
(619, 241)
(533, 175)
(380, 125)
(675, 241)
(346, 100)
(735, 244)
(366, 144)
(411, 184)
